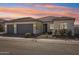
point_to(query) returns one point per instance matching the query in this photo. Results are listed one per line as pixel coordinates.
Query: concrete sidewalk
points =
(41, 40)
(9, 38)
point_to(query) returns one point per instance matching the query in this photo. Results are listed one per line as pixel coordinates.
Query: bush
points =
(69, 33)
(28, 35)
(49, 33)
(63, 32)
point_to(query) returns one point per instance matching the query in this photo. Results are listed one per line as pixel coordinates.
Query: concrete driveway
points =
(32, 46)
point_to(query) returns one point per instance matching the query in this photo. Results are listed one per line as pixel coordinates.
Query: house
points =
(23, 25)
(39, 26)
(62, 23)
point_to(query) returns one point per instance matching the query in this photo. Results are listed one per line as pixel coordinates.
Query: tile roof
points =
(25, 19)
(65, 18)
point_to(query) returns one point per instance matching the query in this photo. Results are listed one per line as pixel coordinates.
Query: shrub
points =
(49, 33)
(63, 32)
(69, 33)
(28, 35)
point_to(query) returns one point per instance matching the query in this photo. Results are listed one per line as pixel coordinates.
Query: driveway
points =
(32, 46)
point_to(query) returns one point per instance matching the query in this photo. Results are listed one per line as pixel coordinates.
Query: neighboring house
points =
(76, 28)
(2, 25)
(62, 23)
(46, 23)
(24, 25)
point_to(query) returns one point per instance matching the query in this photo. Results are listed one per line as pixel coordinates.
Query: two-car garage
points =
(23, 28)
(20, 28)
(24, 25)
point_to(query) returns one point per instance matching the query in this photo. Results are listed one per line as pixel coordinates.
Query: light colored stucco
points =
(56, 23)
(39, 27)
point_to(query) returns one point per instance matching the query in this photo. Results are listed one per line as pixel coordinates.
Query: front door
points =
(45, 28)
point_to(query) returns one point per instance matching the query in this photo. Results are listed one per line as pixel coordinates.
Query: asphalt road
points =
(31, 46)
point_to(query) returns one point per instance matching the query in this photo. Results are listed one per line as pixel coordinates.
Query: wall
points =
(39, 27)
(69, 22)
(76, 29)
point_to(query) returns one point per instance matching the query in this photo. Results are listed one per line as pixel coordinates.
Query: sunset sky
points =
(37, 10)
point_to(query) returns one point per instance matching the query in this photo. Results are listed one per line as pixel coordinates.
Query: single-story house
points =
(62, 23)
(23, 26)
(40, 25)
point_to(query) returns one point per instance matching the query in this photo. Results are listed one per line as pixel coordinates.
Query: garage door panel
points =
(10, 29)
(24, 28)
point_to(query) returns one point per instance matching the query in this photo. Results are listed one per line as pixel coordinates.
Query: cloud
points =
(26, 11)
(34, 11)
(56, 8)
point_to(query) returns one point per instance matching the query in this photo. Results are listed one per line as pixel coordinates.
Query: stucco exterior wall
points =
(76, 29)
(48, 26)
(70, 25)
(39, 27)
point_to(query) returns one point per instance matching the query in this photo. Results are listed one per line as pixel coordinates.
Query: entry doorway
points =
(44, 28)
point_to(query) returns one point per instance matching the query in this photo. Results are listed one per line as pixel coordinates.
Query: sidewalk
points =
(41, 40)
(11, 38)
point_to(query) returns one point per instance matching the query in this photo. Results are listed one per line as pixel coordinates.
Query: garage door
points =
(24, 28)
(10, 29)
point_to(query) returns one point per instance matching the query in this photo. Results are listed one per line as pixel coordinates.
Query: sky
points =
(37, 10)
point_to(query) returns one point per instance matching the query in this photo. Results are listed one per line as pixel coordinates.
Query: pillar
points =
(5, 28)
(73, 33)
(34, 28)
(15, 28)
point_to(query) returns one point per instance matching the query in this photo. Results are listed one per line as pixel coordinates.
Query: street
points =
(32, 46)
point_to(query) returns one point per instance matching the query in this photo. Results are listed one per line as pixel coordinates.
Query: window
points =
(63, 25)
(51, 26)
